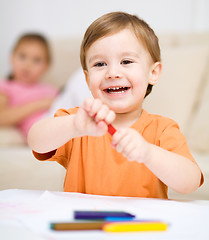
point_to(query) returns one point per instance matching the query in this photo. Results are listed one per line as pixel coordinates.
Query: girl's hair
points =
(33, 37)
(114, 22)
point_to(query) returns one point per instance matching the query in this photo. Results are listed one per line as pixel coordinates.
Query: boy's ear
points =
(86, 77)
(155, 73)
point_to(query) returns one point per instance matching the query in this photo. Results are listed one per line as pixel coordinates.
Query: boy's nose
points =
(113, 72)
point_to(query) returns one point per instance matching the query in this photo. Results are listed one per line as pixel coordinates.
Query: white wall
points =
(59, 18)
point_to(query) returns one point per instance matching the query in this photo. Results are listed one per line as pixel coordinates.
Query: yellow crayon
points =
(135, 226)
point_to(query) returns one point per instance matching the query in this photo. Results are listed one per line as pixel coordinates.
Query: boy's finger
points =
(87, 104)
(123, 142)
(102, 113)
(117, 137)
(110, 117)
(96, 105)
(128, 149)
(102, 126)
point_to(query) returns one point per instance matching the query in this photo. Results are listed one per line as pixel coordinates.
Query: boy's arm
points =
(176, 171)
(50, 134)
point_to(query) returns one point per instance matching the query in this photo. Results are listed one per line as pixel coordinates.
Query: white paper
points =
(35, 211)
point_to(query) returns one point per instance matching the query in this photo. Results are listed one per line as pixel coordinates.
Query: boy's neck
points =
(126, 119)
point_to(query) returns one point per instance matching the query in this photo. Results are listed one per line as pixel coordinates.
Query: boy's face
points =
(29, 62)
(119, 70)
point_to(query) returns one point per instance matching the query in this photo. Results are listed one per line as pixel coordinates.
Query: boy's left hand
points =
(93, 118)
(131, 144)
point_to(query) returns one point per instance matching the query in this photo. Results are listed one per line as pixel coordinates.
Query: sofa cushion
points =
(175, 94)
(199, 127)
(183, 39)
(19, 169)
(65, 60)
(11, 136)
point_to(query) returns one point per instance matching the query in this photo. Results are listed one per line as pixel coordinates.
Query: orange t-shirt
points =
(94, 167)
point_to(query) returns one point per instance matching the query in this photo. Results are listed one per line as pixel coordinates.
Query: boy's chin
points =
(125, 109)
(119, 109)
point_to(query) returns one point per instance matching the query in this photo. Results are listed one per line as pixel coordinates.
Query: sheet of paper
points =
(36, 210)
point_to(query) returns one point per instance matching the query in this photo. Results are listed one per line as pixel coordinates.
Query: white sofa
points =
(182, 94)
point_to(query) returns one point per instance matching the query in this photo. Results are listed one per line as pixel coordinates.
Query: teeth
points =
(117, 89)
(114, 88)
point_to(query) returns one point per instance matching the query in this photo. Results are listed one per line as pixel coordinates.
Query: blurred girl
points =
(23, 99)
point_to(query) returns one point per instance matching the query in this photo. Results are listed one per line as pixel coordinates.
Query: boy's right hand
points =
(93, 118)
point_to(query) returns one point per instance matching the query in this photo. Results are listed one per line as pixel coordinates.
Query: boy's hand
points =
(93, 118)
(131, 144)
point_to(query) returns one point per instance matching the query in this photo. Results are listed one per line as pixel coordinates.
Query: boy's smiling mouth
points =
(117, 90)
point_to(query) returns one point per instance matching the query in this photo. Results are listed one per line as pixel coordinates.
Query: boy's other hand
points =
(131, 144)
(93, 118)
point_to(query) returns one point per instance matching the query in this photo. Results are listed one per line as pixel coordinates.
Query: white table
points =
(26, 214)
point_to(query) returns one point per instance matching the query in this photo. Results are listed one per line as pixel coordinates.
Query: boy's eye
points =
(100, 64)
(126, 62)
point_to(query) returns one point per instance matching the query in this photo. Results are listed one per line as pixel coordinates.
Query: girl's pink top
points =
(20, 94)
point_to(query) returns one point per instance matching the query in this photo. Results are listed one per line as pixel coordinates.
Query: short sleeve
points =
(173, 140)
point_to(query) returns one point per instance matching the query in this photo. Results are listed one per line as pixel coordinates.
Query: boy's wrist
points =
(76, 131)
(148, 153)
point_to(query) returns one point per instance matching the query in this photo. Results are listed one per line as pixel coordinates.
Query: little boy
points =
(120, 57)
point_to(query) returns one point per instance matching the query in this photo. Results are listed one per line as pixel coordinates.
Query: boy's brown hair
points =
(114, 22)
